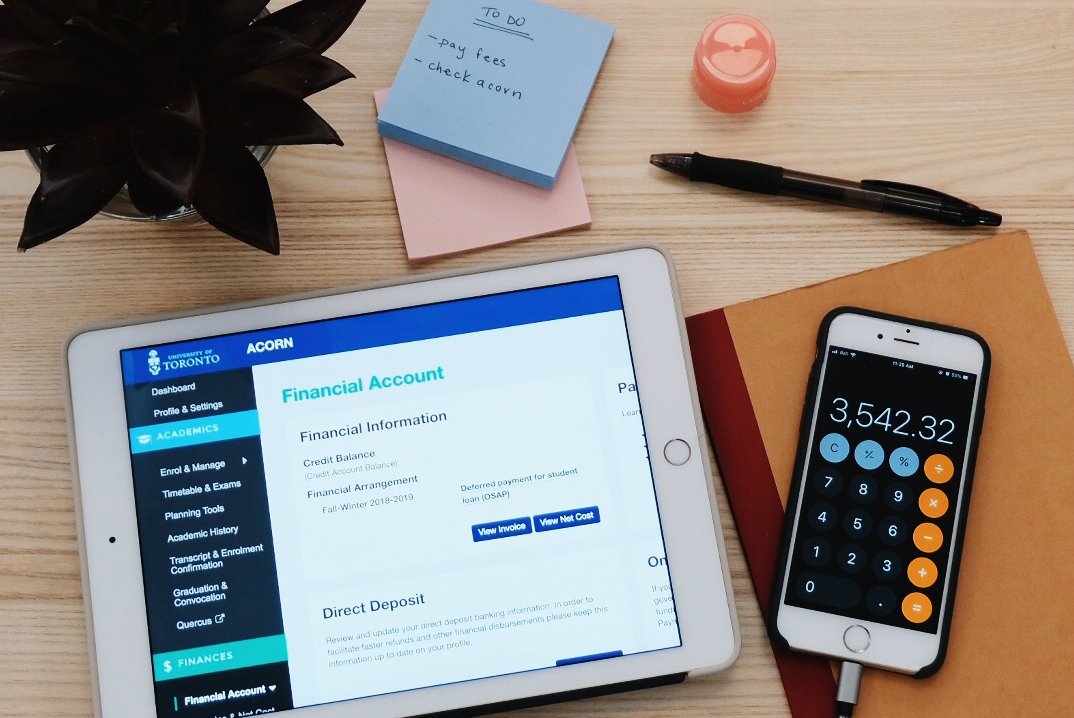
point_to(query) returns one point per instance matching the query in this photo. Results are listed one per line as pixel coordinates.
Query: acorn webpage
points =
(461, 507)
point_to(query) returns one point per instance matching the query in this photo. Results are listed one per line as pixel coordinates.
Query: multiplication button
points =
(933, 503)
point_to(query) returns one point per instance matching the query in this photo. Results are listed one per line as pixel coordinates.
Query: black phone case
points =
(799, 464)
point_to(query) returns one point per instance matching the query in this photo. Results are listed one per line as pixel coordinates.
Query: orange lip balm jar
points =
(734, 63)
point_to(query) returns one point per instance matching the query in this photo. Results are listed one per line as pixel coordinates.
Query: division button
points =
(869, 454)
(917, 608)
(677, 452)
(922, 572)
(928, 537)
(933, 503)
(881, 601)
(834, 448)
(904, 461)
(939, 469)
(857, 639)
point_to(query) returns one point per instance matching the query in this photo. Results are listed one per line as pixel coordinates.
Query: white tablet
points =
(467, 493)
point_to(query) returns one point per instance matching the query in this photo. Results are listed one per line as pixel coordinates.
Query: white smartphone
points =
(877, 511)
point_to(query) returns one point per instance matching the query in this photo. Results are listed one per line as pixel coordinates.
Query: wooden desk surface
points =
(974, 98)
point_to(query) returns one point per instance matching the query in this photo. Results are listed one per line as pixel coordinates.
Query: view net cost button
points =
(567, 519)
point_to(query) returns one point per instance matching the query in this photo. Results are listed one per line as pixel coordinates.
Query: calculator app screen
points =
(882, 483)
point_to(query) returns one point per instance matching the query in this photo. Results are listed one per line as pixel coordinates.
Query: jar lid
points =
(734, 63)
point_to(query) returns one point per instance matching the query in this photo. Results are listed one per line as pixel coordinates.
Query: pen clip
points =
(913, 188)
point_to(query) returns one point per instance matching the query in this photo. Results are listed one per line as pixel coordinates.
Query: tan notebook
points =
(1012, 639)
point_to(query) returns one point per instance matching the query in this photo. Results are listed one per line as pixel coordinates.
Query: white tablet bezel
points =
(117, 622)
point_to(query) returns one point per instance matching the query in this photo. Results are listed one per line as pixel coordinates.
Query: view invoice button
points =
(502, 529)
(566, 519)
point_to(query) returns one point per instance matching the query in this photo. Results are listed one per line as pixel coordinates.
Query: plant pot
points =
(121, 206)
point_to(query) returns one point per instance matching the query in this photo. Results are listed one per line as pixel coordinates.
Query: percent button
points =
(904, 461)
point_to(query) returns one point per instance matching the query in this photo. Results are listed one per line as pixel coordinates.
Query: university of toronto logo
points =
(154, 362)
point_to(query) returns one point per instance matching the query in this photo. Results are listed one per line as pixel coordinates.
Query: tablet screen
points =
(395, 500)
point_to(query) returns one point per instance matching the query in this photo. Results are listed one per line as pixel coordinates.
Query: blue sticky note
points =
(500, 84)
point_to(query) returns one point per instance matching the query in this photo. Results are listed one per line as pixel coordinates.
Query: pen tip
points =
(675, 163)
(989, 219)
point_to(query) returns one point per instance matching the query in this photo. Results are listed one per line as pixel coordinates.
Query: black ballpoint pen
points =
(875, 195)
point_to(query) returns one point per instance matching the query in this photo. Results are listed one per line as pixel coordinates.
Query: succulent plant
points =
(165, 97)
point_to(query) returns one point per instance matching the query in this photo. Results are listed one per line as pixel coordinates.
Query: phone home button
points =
(857, 639)
(677, 452)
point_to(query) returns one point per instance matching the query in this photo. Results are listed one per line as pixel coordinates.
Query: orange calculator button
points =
(939, 469)
(933, 503)
(917, 608)
(921, 572)
(928, 537)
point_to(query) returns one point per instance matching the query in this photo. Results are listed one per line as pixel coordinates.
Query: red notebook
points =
(1012, 636)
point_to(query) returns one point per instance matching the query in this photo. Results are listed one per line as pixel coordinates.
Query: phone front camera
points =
(879, 336)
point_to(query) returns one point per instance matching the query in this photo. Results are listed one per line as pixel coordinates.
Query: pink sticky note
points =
(446, 206)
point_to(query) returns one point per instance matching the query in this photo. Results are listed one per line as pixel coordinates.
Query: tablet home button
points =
(857, 639)
(677, 452)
